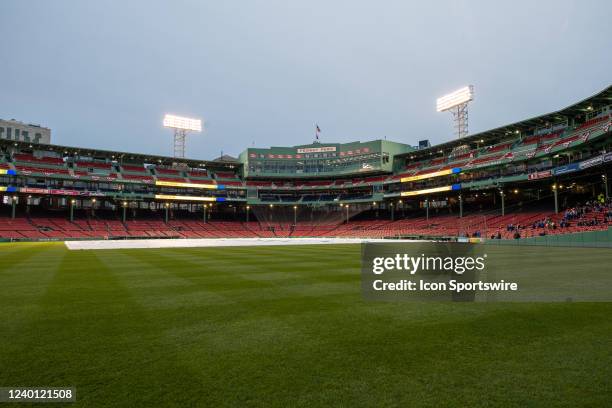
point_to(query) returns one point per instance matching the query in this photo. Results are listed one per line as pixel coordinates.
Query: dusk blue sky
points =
(102, 74)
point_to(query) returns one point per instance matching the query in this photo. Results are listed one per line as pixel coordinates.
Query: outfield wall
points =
(593, 239)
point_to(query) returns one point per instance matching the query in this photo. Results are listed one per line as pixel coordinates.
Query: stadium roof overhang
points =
(492, 136)
(121, 157)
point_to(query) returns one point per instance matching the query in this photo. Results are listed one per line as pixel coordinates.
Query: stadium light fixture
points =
(454, 99)
(181, 126)
(180, 122)
(457, 102)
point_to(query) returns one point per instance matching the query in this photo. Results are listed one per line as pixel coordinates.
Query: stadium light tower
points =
(457, 103)
(181, 126)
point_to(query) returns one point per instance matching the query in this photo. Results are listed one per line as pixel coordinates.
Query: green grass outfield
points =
(282, 326)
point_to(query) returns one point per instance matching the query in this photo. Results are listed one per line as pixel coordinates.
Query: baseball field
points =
(283, 326)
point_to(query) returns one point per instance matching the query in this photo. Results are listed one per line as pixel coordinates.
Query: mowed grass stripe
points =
(275, 275)
(157, 288)
(233, 284)
(211, 336)
(25, 273)
(93, 335)
(301, 265)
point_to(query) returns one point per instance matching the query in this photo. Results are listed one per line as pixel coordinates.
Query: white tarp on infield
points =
(215, 242)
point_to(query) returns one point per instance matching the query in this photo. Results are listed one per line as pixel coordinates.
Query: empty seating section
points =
(136, 173)
(29, 164)
(487, 159)
(540, 138)
(137, 177)
(226, 175)
(167, 172)
(327, 226)
(165, 178)
(19, 228)
(164, 174)
(170, 175)
(53, 166)
(593, 122)
(94, 169)
(509, 150)
(94, 166)
(228, 178)
(41, 170)
(316, 184)
(498, 148)
(54, 161)
(198, 176)
(133, 169)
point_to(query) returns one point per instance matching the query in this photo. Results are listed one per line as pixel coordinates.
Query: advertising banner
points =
(568, 168)
(540, 175)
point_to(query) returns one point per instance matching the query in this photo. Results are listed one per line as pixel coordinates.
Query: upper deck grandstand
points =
(518, 180)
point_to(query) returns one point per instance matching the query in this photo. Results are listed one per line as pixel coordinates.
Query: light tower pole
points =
(460, 120)
(180, 135)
